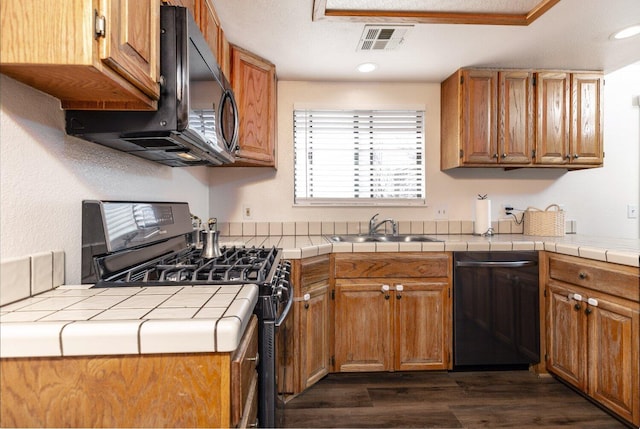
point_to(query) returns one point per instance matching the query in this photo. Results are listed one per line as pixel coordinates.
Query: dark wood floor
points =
(505, 399)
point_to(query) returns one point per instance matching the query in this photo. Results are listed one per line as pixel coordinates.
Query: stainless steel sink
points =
(402, 238)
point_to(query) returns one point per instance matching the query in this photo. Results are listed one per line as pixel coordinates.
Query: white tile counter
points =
(80, 320)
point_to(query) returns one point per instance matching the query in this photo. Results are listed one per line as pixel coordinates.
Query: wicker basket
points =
(545, 222)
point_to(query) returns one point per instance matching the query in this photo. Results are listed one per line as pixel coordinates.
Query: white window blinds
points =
(359, 157)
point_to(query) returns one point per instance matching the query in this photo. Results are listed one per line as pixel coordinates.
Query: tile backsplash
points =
(30, 275)
(250, 229)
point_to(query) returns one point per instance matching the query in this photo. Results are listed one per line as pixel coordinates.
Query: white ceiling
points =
(573, 34)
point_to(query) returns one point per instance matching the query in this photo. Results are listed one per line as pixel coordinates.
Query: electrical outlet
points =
(441, 212)
(246, 212)
(507, 209)
(632, 211)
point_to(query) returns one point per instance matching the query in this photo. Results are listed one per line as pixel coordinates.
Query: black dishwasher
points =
(496, 310)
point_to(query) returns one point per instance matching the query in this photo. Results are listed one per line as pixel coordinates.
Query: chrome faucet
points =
(373, 226)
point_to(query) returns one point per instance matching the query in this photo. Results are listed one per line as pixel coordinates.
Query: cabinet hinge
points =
(332, 360)
(100, 24)
(533, 81)
(461, 153)
(545, 293)
(333, 294)
(449, 292)
(461, 80)
(533, 153)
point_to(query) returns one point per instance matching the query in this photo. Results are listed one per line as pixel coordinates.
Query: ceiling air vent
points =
(382, 37)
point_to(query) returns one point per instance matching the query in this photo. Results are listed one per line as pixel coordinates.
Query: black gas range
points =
(150, 244)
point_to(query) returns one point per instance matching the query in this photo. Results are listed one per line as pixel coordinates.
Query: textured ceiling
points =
(573, 34)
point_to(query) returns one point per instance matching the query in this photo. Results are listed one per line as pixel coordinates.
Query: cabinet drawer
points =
(618, 280)
(243, 371)
(359, 265)
(314, 270)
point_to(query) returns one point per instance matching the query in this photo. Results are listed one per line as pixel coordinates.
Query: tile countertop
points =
(79, 320)
(84, 321)
(620, 251)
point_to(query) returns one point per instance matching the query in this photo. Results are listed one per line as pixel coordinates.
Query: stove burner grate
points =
(235, 265)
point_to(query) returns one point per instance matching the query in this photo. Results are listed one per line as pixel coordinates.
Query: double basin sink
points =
(386, 238)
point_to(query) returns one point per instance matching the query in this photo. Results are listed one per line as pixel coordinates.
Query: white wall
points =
(596, 198)
(46, 174)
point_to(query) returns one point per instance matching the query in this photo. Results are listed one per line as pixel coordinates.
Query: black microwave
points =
(196, 122)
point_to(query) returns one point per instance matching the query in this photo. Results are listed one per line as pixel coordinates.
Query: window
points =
(366, 157)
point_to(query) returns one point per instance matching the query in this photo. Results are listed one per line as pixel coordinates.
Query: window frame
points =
(420, 112)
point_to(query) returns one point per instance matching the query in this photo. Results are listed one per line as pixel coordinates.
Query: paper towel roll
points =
(483, 217)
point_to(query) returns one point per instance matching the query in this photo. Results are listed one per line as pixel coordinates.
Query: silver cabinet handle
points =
(496, 264)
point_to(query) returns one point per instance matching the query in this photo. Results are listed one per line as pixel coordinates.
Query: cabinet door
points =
(243, 372)
(132, 42)
(210, 27)
(363, 327)
(586, 127)
(254, 85)
(552, 118)
(479, 136)
(613, 364)
(314, 323)
(566, 336)
(515, 117)
(422, 325)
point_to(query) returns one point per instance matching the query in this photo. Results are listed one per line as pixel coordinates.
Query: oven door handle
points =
(284, 314)
(496, 264)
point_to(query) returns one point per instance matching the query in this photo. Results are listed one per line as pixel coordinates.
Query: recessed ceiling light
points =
(367, 67)
(625, 33)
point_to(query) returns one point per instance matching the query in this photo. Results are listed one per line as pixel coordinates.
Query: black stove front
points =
(148, 244)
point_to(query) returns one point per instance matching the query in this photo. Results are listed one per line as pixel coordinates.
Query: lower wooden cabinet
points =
(392, 323)
(395, 324)
(308, 341)
(155, 390)
(244, 379)
(593, 330)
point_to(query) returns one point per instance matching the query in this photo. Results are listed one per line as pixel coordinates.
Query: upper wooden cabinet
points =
(587, 118)
(205, 15)
(487, 118)
(210, 27)
(569, 122)
(521, 118)
(254, 84)
(105, 55)
(553, 90)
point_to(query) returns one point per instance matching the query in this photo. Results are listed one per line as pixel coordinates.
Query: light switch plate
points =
(632, 211)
